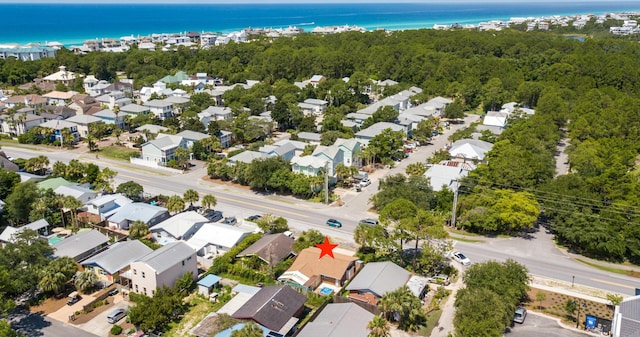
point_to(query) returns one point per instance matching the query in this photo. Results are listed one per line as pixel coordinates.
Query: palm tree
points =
(342, 171)
(415, 169)
(175, 204)
(72, 204)
(249, 330)
(51, 280)
(191, 196)
(138, 229)
(209, 201)
(379, 327)
(402, 306)
(85, 280)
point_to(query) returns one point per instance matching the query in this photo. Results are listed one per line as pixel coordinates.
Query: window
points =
(183, 263)
(142, 274)
(153, 292)
(136, 288)
(144, 290)
(135, 272)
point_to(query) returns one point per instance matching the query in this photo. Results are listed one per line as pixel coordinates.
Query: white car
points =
(459, 257)
(365, 182)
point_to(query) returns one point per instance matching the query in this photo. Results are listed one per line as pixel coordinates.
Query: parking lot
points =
(537, 325)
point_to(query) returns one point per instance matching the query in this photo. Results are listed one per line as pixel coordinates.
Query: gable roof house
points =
(161, 108)
(31, 100)
(378, 278)
(473, 149)
(108, 116)
(162, 267)
(246, 157)
(339, 320)
(308, 271)
(438, 104)
(114, 99)
(277, 308)
(82, 245)
(191, 137)
(312, 106)
(58, 98)
(83, 122)
(181, 226)
(447, 174)
(162, 149)
(59, 111)
(84, 104)
(285, 150)
(20, 123)
(365, 135)
(9, 233)
(7, 164)
(58, 125)
(309, 165)
(137, 211)
(134, 109)
(109, 264)
(214, 113)
(496, 118)
(83, 194)
(310, 137)
(271, 248)
(105, 205)
(214, 238)
(62, 76)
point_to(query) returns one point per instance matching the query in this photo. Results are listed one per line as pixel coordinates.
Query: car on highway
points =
(520, 315)
(460, 258)
(365, 182)
(254, 217)
(334, 223)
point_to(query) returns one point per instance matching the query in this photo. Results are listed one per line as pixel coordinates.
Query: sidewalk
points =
(444, 326)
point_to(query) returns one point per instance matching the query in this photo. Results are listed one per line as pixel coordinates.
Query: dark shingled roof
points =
(272, 306)
(271, 248)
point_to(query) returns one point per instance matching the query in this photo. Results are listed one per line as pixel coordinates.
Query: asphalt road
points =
(537, 325)
(34, 325)
(537, 252)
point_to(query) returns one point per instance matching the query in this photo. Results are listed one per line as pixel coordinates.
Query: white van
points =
(116, 315)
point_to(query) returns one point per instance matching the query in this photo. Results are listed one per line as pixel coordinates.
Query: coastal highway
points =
(537, 251)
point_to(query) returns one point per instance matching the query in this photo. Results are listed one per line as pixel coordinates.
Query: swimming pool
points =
(53, 239)
(326, 291)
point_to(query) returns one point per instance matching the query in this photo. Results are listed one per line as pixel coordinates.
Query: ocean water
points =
(74, 23)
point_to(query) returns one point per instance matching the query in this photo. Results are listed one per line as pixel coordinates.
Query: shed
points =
(206, 284)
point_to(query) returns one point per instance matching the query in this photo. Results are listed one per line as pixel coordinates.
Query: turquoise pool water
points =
(54, 239)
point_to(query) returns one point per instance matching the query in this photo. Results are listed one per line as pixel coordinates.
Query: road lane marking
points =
(255, 205)
(612, 283)
(132, 177)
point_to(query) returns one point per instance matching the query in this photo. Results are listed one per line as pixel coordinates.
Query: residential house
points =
(447, 174)
(191, 137)
(54, 183)
(84, 104)
(496, 118)
(339, 320)
(312, 106)
(285, 150)
(159, 88)
(310, 137)
(38, 84)
(214, 113)
(161, 108)
(9, 233)
(207, 283)
(496, 130)
(59, 97)
(104, 206)
(116, 260)
(175, 79)
(83, 122)
(83, 194)
(315, 80)
(31, 100)
(308, 271)
(365, 135)
(137, 211)
(151, 129)
(378, 278)
(278, 308)
(225, 138)
(24, 176)
(309, 165)
(181, 226)
(271, 248)
(26, 53)
(178, 102)
(438, 104)
(214, 239)
(626, 318)
(58, 125)
(473, 149)
(62, 76)
(114, 99)
(162, 149)
(134, 110)
(108, 116)
(82, 245)
(246, 157)
(7, 164)
(58, 111)
(163, 267)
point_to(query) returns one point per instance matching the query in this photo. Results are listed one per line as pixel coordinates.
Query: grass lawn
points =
(199, 308)
(117, 152)
(432, 319)
(620, 271)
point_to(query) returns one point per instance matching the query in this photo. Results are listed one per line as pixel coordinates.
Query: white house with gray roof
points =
(310, 137)
(105, 205)
(9, 233)
(626, 318)
(135, 110)
(214, 113)
(473, 149)
(447, 174)
(339, 320)
(162, 267)
(247, 157)
(83, 194)
(137, 211)
(83, 122)
(161, 108)
(216, 238)
(115, 260)
(376, 279)
(181, 226)
(81, 245)
(162, 149)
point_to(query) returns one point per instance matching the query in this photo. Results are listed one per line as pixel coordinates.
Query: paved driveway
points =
(99, 325)
(536, 325)
(35, 325)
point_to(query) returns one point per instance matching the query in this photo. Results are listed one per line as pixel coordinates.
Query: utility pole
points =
(326, 183)
(455, 203)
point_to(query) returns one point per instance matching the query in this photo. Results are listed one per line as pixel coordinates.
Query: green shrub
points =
(116, 330)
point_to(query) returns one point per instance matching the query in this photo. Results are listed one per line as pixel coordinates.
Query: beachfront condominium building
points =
(26, 53)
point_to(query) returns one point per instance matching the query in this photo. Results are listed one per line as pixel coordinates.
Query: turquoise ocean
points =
(73, 23)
